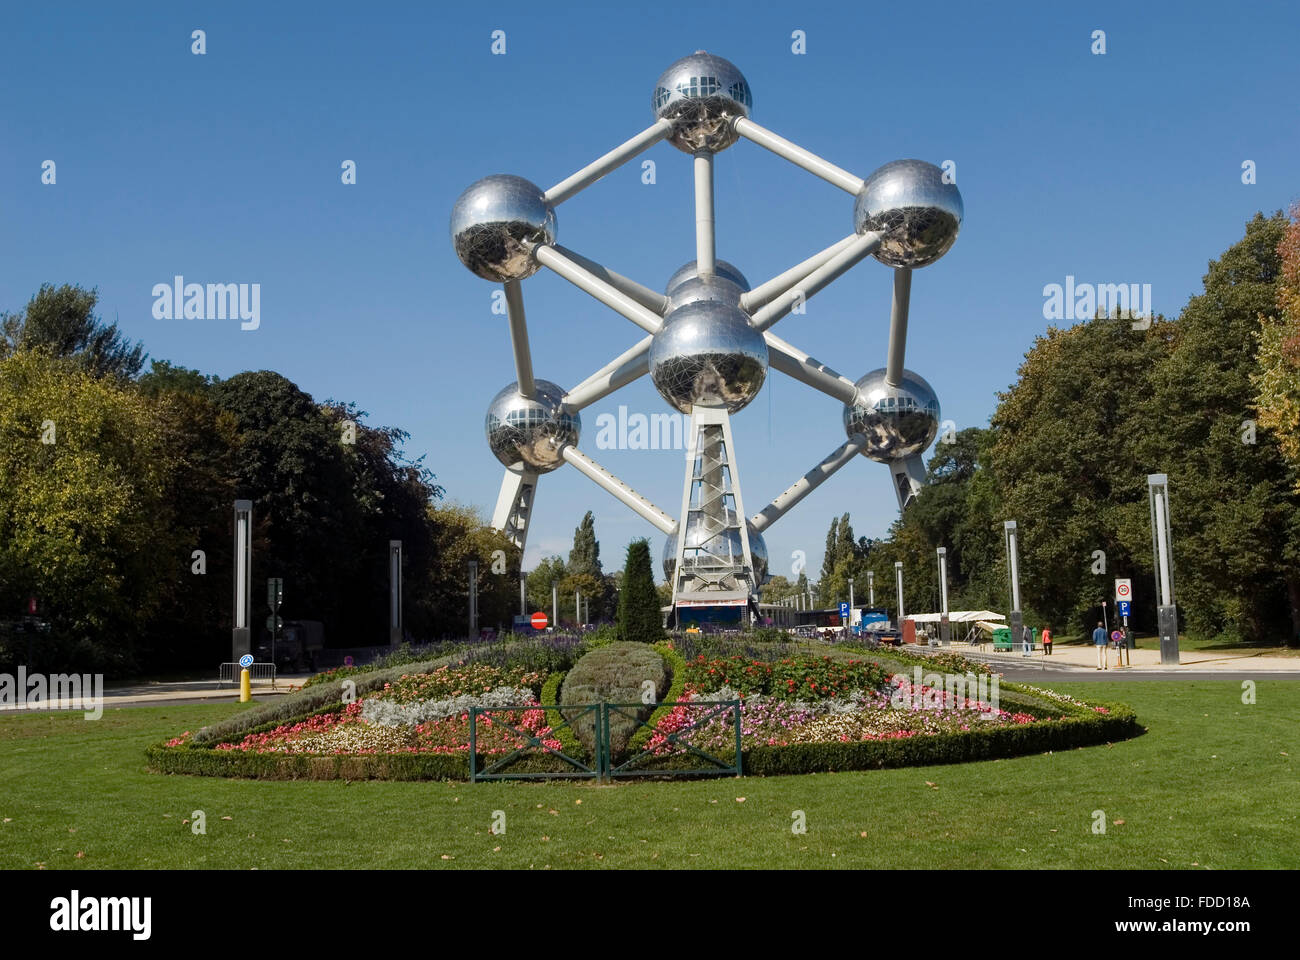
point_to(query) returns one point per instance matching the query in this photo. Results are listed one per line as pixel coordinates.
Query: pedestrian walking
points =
(1099, 641)
(1047, 641)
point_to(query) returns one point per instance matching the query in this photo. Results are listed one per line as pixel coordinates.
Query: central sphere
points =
(708, 352)
(495, 224)
(726, 544)
(897, 421)
(686, 285)
(532, 431)
(917, 214)
(701, 94)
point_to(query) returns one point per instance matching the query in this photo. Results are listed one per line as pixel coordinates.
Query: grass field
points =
(1211, 785)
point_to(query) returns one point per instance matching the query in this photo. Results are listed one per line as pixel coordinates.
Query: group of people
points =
(1121, 640)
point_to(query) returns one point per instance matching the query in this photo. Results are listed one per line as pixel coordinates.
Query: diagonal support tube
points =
(628, 366)
(620, 490)
(611, 161)
(797, 155)
(833, 268)
(782, 282)
(589, 282)
(809, 482)
(898, 325)
(643, 295)
(793, 362)
(519, 339)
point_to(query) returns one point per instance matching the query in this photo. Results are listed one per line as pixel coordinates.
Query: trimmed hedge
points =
(551, 698)
(677, 668)
(612, 674)
(203, 761)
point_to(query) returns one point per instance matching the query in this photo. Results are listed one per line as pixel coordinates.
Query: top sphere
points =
(916, 213)
(495, 224)
(701, 94)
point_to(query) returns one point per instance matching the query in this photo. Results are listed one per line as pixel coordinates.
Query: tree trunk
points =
(1293, 595)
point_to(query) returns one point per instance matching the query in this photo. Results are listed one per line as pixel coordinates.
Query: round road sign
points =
(246, 661)
(539, 621)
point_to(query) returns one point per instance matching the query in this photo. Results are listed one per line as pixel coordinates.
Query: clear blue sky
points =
(226, 168)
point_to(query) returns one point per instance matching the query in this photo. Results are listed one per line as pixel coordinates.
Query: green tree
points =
(62, 320)
(639, 618)
(83, 510)
(1234, 507)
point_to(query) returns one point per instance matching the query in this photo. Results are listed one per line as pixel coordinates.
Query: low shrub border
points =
(1080, 724)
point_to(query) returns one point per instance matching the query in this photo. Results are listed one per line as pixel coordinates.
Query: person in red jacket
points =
(1047, 641)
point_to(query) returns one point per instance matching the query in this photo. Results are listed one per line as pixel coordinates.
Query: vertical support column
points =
(909, 479)
(871, 588)
(555, 604)
(705, 243)
(945, 628)
(523, 594)
(1163, 552)
(898, 587)
(395, 627)
(241, 633)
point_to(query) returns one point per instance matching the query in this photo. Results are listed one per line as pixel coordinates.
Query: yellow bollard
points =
(245, 686)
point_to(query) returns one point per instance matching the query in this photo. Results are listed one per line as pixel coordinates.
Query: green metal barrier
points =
(603, 766)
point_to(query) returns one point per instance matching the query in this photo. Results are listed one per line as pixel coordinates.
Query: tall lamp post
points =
(1162, 546)
(871, 589)
(394, 592)
(473, 599)
(1013, 575)
(241, 634)
(898, 587)
(945, 629)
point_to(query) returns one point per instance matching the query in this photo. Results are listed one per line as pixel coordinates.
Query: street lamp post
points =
(395, 630)
(898, 586)
(1162, 546)
(945, 628)
(871, 589)
(1011, 534)
(555, 604)
(473, 599)
(241, 634)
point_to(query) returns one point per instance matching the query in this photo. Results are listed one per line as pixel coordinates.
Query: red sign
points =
(539, 621)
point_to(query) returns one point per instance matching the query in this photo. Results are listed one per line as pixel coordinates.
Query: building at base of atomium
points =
(708, 344)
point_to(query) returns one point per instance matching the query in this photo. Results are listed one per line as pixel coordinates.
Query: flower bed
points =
(798, 714)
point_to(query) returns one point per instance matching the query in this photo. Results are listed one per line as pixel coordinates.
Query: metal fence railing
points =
(229, 673)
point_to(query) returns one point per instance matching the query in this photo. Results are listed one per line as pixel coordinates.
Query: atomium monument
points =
(709, 343)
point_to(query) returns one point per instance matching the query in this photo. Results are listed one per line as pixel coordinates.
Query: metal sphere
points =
(531, 430)
(897, 421)
(722, 270)
(495, 224)
(701, 94)
(725, 544)
(917, 214)
(708, 352)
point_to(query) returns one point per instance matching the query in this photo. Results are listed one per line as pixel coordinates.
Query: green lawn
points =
(1212, 784)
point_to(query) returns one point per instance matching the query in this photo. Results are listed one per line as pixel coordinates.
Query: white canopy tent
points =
(976, 620)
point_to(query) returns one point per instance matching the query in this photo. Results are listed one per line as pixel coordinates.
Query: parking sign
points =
(1123, 590)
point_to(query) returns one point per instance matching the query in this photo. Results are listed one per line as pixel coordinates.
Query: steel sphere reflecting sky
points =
(918, 214)
(701, 94)
(495, 224)
(708, 352)
(689, 271)
(531, 430)
(725, 545)
(897, 421)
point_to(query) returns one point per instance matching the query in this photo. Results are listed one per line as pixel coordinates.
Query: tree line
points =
(1211, 398)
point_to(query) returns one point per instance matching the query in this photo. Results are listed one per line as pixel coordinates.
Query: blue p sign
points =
(1123, 607)
(246, 661)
